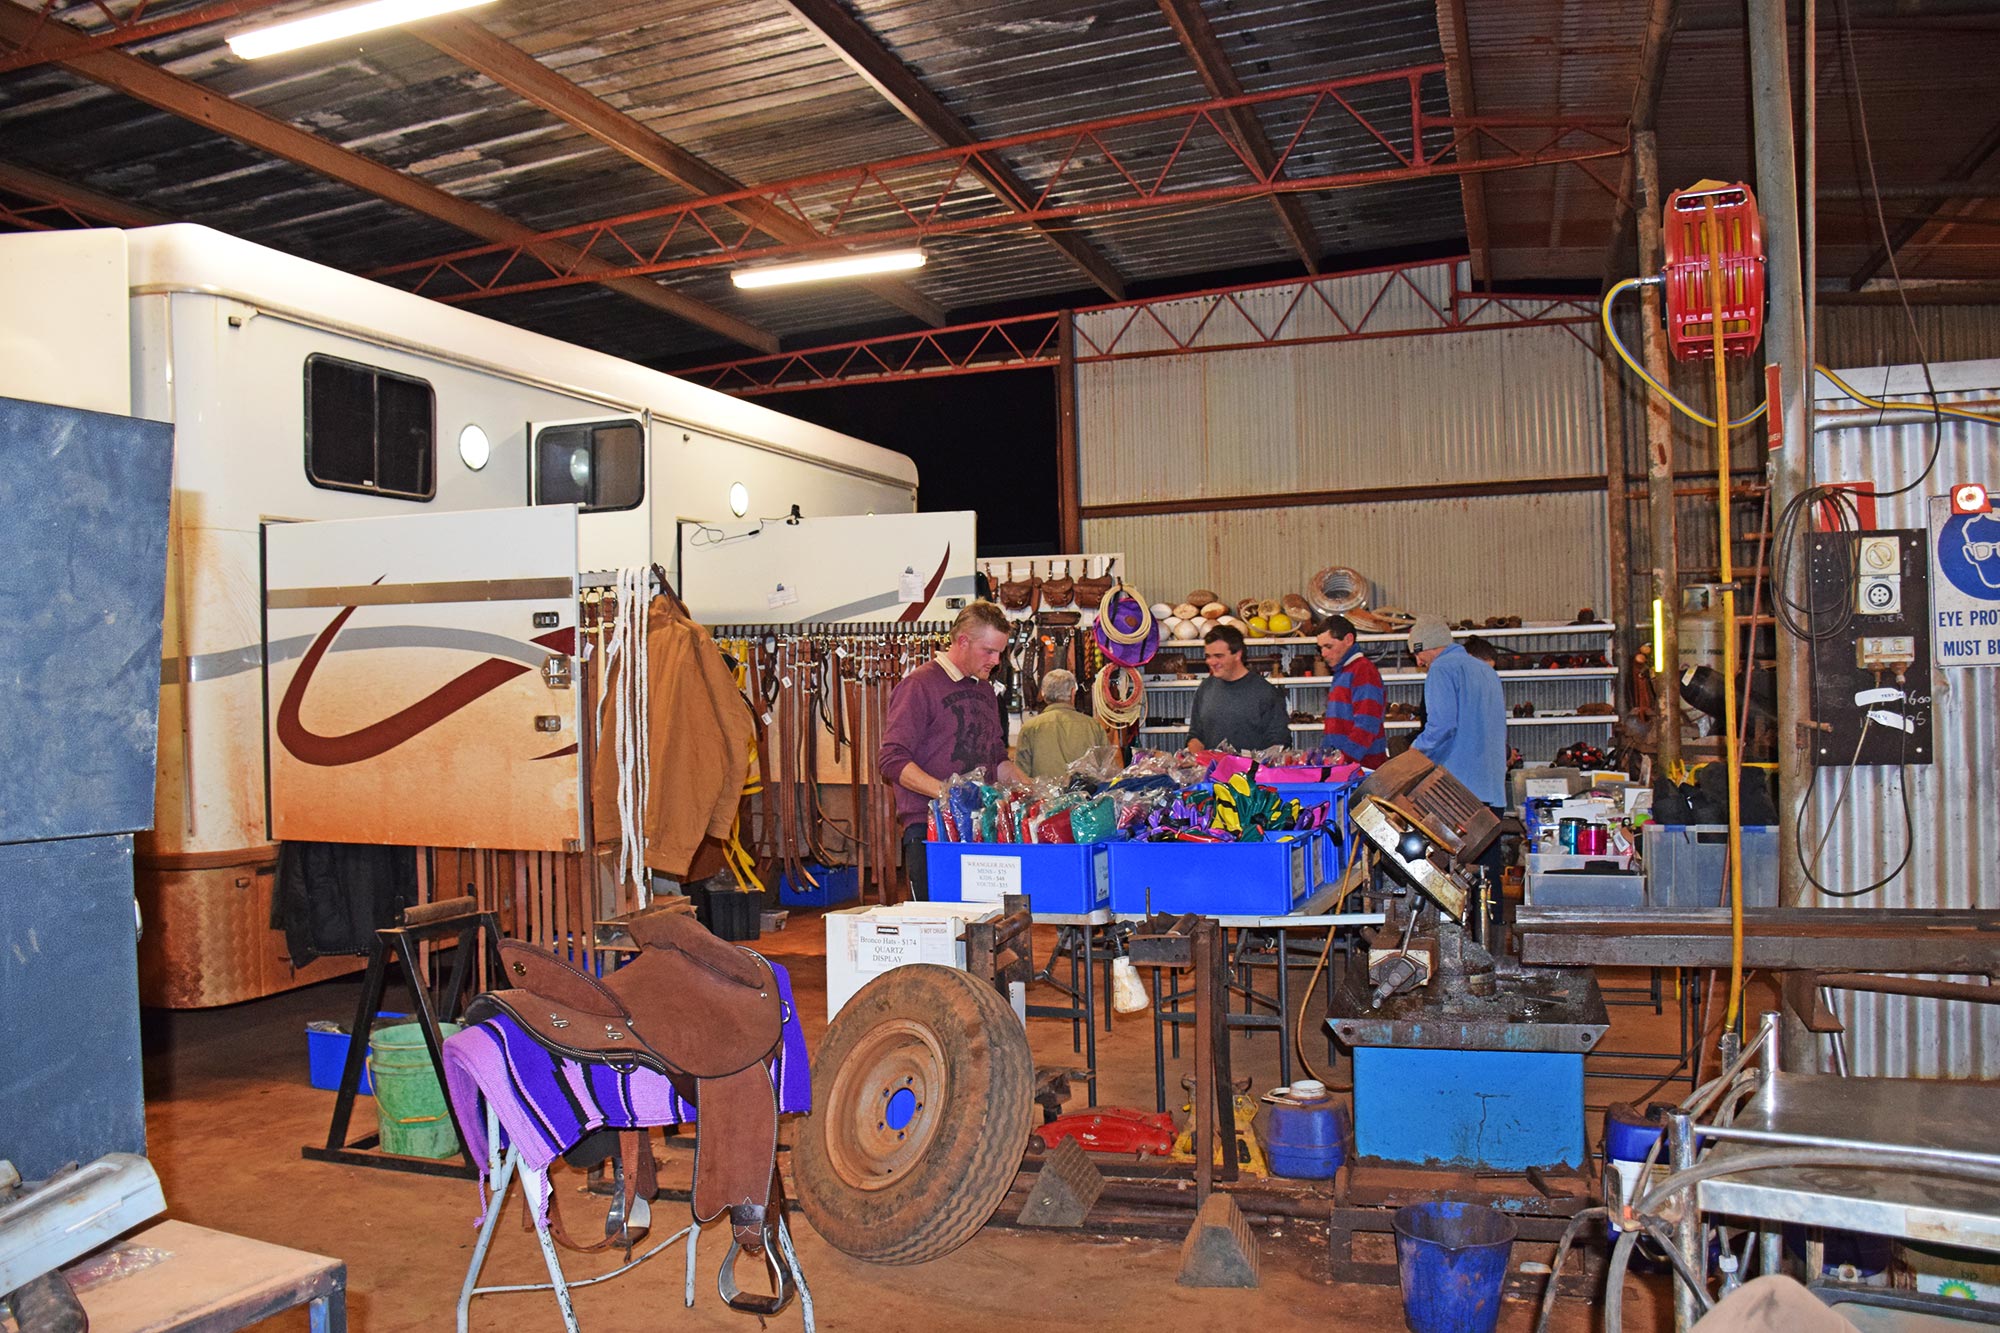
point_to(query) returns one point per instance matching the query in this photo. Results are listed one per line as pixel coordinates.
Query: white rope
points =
(628, 700)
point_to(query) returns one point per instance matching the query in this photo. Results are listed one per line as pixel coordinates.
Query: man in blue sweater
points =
(1465, 713)
(1465, 731)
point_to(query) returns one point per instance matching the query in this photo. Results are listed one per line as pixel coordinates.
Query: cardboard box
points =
(864, 942)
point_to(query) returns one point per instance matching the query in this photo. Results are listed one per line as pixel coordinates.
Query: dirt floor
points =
(229, 1105)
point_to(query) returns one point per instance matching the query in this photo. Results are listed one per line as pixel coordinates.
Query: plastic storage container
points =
(1586, 888)
(1687, 865)
(837, 884)
(1211, 878)
(326, 1056)
(1060, 879)
(1307, 1139)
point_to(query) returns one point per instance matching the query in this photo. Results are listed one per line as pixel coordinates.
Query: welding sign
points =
(1965, 587)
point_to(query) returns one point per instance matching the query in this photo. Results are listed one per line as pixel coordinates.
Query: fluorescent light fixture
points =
(1659, 637)
(814, 270)
(332, 24)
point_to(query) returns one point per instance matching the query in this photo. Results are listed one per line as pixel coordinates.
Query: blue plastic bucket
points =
(1452, 1261)
(1308, 1140)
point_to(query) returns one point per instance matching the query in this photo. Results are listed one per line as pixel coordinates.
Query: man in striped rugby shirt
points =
(1355, 699)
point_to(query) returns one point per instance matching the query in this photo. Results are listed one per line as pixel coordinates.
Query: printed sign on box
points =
(988, 879)
(1965, 586)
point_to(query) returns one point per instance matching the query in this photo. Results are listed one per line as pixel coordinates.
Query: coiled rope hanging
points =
(1108, 626)
(1112, 709)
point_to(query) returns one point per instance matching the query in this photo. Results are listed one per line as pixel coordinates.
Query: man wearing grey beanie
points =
(1465, 730)
(1465, 712)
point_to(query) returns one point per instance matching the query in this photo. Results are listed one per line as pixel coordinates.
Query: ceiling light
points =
(333, 24)
(813, 270)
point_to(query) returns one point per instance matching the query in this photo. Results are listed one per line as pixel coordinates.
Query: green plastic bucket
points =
(409, 1103)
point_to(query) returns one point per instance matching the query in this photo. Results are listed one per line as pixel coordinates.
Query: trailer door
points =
(420, 682)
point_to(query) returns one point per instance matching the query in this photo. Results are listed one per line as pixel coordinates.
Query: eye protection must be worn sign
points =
(1965, 582)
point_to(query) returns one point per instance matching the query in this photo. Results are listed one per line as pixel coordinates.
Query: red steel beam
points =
(53, 40)
(54, 203)
(933, 194)
(1025, 342)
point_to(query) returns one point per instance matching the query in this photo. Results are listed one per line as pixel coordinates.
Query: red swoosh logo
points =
(381, 737)
(915, 609)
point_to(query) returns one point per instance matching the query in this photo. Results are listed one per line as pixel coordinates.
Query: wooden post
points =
(1659, 455)
(1069, 479)
(1618, 537)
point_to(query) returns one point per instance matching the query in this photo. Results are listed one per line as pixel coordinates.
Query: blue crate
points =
(1212, 878)
(326, 1057)
(1329, 854)
(1060, 879)
(837, 884)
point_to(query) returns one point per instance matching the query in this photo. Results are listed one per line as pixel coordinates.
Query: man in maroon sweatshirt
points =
(942, 722)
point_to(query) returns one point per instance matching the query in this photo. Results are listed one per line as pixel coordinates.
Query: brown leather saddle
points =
(707, 1015)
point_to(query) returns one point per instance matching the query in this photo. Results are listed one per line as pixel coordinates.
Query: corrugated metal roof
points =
(748, 88)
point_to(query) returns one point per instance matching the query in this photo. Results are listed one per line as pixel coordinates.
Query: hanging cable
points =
(1617, 345)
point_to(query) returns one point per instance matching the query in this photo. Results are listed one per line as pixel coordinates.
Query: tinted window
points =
(599, 465)
(369, 430)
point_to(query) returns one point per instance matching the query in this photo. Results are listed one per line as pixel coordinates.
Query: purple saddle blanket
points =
(545, 1104)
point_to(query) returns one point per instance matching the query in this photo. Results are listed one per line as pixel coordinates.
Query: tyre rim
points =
(884, 1105)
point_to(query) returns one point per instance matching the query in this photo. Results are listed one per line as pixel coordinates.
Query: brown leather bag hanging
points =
(1090, 591)
(1018, 595)
(1058, 592)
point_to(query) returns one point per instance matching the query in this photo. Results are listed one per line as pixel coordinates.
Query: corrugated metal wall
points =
(1879, 335)
(1954, 801)
(1537, 556)
(1500, 406)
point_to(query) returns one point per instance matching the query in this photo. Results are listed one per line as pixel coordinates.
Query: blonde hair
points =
(980, 615)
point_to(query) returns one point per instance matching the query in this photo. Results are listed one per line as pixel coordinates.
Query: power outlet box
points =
(1885, 652)
(1878, 583)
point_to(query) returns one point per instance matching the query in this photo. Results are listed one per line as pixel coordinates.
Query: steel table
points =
(1310, 914)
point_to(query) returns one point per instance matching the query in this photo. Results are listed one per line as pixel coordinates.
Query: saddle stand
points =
(477, 933)
(709, 1017)
(502, 1170)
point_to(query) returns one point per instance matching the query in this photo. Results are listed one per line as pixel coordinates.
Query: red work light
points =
(1739, 246)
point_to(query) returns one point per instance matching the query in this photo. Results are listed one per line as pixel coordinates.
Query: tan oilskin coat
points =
(700, 733)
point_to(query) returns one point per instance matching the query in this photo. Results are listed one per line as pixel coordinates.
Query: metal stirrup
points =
(733, 1295)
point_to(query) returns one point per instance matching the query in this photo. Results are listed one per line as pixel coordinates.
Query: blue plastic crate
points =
(837, 884)
(1329, 854)
(1212, 878)
(326, 1057)
(1060, 879)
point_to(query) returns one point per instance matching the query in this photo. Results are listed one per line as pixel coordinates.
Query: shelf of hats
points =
(1140, 677)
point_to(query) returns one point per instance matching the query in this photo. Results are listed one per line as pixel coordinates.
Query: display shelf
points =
(1525, 632)
(1400, 724)
(1407, 677)
(1553, 690)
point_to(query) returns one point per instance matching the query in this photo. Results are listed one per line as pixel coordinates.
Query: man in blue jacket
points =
(1465, 713)
(1465, 728)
